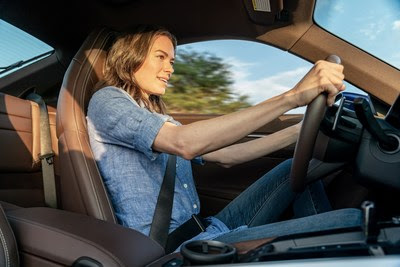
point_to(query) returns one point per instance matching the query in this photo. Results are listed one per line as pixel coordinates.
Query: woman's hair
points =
(126, 56)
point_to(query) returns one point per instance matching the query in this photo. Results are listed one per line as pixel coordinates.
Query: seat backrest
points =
(81, 187)
(21, 181)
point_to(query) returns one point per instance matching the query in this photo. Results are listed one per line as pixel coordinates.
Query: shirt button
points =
(195, 206)
(185, 185)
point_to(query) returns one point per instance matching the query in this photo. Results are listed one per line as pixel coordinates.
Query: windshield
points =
(371, 25)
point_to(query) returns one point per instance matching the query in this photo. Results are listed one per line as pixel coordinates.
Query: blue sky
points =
(373, 25)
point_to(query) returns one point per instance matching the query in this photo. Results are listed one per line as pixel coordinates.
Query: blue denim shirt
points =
(121, 136)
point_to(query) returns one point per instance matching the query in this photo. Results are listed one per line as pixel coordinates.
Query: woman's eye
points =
(162, 57)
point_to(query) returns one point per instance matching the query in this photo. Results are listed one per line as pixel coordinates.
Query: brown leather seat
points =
(8, 245)
(81, 186)
(52, 237)
(21, 181)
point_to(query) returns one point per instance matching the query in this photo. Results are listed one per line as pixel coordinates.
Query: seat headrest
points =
(83, 73)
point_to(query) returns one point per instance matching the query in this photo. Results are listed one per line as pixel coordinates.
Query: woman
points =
(130, 136)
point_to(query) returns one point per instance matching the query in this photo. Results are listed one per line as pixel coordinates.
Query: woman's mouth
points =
(163, 80)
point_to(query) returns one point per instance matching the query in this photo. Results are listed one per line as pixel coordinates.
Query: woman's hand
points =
(323, 77)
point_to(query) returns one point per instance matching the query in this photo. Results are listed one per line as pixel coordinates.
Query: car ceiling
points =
(65, 24)
(71, 21)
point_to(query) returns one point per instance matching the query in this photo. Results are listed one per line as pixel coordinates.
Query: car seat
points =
(81, 187)
(8, 245)
(21, 181)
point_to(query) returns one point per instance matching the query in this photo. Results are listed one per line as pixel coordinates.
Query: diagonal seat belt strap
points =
(162, 213)
(46, 153)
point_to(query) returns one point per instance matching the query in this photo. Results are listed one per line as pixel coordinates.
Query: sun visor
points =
(264, 12)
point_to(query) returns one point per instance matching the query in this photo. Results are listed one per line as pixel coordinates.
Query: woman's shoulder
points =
(110, 91)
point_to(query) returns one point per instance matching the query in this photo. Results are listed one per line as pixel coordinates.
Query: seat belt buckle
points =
(49, 157)
(198, 222)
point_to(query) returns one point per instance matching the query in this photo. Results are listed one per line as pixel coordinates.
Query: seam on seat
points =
(13, 130)
(4, 243)
(82, 95)
(15, 115)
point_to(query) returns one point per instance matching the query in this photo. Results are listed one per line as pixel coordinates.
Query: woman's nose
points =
(168, 68)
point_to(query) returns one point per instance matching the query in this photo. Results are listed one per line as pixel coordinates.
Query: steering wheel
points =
(306, 141)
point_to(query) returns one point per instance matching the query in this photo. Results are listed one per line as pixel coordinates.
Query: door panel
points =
(217, 186)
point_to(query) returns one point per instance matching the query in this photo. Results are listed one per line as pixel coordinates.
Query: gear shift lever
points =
(369, 224)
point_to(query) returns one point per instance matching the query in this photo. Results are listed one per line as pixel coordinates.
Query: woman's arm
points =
(243, 152)
(202, 137)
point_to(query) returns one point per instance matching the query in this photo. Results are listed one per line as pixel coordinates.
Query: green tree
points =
(202, 84)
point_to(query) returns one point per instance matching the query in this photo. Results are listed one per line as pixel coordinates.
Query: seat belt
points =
(162, 213)
(46, 153)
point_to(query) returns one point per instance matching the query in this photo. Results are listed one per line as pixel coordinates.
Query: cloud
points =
(339, 8)
(396, 25)
(265, 88)
(239, 69)
(262, 89)
(373, 30)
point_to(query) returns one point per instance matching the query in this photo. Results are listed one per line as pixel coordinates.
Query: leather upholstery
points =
(20, 166)
(51, 237)
(8, 245)
(19, 135)
(82, 189)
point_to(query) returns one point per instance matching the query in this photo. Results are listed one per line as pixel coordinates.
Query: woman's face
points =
(152, 77)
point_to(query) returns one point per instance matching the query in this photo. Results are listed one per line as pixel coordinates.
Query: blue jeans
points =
(261, 205)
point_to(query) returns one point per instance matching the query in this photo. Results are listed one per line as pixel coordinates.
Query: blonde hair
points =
(126, 56)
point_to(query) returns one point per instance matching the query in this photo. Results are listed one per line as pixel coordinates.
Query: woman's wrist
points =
(290, 98)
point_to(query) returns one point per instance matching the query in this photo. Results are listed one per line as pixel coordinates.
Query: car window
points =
(371, 25)
(18, 48)
(219, 77)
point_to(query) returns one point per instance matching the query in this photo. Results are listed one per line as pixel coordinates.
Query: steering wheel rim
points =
(307, 137)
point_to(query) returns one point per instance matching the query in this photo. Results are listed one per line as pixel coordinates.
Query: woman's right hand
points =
(323, 77)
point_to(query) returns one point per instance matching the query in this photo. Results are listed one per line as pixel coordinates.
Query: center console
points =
(50, 237)
(372, 244)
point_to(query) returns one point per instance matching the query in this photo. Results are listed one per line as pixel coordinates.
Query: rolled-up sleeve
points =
(198, 160)
(119, 120)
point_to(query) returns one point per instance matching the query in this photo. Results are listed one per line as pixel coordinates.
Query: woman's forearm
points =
(247, 151)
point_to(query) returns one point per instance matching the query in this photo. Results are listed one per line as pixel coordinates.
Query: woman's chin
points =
(157, 92)
(161, 92)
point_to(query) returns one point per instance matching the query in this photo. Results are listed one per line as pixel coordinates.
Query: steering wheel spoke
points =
(306, 141)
